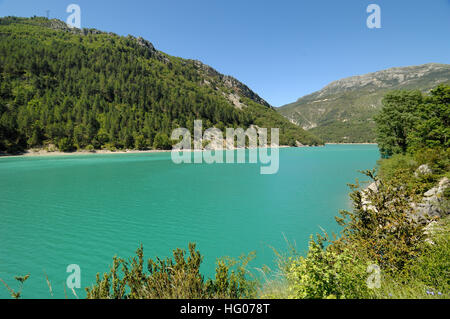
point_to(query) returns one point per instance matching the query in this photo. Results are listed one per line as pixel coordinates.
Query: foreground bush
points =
(173, 278)
(413, 259)
(327, 273)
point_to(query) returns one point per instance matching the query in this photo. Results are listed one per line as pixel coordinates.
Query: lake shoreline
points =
(45, 153)
(351, 143)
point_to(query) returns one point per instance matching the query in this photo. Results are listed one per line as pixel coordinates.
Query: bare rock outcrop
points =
(423, 170)
(433, 203)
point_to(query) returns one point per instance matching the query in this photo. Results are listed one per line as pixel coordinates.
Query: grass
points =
(430, 275)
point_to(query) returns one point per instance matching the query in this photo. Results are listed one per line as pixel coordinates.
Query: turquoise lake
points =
(84, 209)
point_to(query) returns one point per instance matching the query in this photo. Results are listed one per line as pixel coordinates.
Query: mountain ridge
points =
(342, 111)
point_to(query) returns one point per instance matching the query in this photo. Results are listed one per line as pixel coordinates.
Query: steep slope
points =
(87, 89)
(343, 110)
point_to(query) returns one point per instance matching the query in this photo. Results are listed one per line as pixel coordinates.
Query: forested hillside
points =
(72, 89)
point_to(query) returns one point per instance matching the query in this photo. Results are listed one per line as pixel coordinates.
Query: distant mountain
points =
(343, 110)
(74, 89)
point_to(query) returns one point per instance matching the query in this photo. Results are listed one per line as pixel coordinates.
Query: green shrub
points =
(411, 121)
(173, 278)
(65, 144)
(140, 142)
(433, 266)
(327, 273)
(399, 170)
(378, 231)
(380, 223)
(110, 147)
(162, 142)
(429, 275)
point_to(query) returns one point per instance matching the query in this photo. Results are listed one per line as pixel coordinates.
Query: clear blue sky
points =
(281, 49)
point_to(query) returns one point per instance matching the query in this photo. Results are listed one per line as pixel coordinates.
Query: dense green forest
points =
(71, 89)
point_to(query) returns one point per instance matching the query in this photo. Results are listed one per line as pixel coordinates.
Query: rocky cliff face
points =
(433, 203)
(343, 110)
(231, 83)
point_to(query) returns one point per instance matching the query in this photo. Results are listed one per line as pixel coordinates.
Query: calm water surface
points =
(84, 209)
